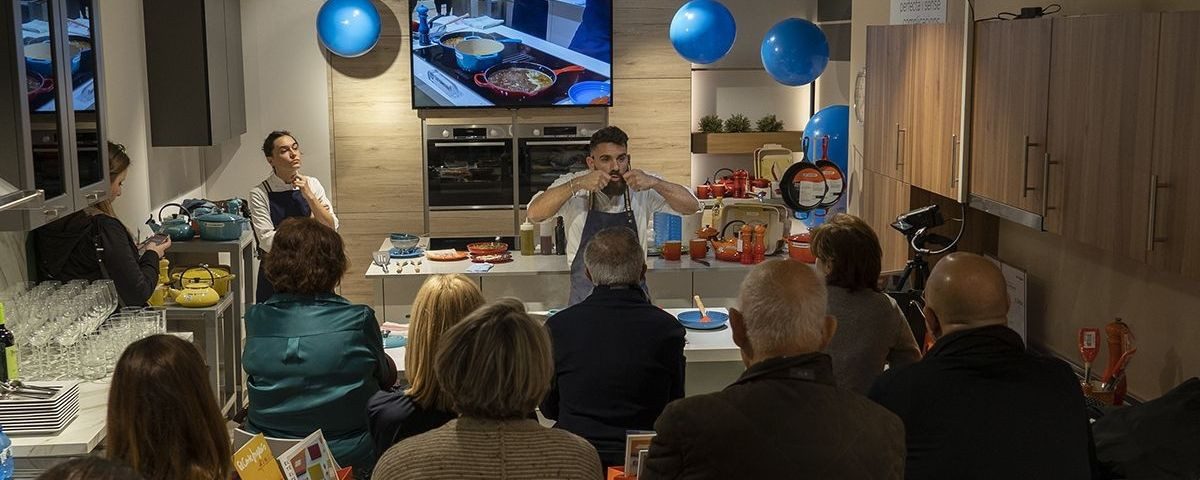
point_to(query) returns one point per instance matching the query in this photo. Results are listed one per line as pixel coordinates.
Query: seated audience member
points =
(163, 419)
(442, 302)
(313, 359)
(618, 359)
(979, 405)
(872, 331)
(494, 366)
(784, 418)
(90, 468)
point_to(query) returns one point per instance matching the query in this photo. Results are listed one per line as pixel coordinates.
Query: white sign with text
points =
(918, 11)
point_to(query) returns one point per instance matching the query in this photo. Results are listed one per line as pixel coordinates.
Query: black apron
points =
(283, 205)
(581, 287)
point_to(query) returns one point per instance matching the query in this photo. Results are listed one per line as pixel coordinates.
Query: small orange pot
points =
(799, 248)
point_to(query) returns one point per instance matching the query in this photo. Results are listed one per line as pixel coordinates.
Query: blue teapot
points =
(178, 227)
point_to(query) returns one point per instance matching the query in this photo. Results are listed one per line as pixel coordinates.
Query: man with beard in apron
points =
(608, 193)
(284, 194)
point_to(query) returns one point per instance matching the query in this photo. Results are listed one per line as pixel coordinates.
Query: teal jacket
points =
(312, 363)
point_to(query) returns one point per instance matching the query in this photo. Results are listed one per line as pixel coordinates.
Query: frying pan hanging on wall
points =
(803, 185)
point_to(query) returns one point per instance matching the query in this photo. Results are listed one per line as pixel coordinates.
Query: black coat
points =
(783, 419)
(66, 251)
(618, 360)
(980, 406)
(396, 416)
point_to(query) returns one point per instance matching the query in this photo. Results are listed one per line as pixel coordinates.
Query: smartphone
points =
(157, 239)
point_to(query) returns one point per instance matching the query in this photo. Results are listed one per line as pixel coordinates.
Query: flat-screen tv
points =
(515, 54)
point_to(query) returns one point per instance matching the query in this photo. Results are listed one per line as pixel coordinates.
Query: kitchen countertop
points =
(539, 265)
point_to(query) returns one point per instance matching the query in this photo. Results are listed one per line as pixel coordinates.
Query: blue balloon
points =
(834, 121)
(703, 31)
(795, 52)
(348, 28)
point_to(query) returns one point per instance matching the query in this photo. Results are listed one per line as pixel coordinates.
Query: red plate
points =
(487, 248)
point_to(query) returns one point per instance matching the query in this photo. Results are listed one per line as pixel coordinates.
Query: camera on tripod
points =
(915, 226)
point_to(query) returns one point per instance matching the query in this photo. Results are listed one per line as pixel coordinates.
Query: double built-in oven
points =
(477, 167)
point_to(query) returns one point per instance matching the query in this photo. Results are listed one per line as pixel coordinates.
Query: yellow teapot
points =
(197, 293)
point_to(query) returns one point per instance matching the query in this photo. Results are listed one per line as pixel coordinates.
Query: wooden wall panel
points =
(641, 47)
(462, 223)
(656, 113)
(363, 233)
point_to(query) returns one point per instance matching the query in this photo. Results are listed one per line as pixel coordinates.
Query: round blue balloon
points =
(348, 28)
(795, 52)
(833, 121)
(703, 31)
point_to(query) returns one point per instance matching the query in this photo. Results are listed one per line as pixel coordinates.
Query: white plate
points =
(67, 388)
(8, 408)
(39, 427)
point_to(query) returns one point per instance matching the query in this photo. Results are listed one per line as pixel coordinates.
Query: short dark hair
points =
(609, 134)
(90, 468)
(307, 257)
(269, 143)
(850, 247)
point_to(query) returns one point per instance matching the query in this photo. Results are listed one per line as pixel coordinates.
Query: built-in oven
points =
(548, 151)
(469, 166)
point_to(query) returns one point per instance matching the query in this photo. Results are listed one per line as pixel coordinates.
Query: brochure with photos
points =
(309, 460)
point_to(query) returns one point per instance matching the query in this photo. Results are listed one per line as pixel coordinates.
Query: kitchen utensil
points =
(521, 80)
(197, 295)
(487, 248)
(702, 262)
(217, 277)
(476, 54)
(707, 232)
(800, 248)
(405, 242)
(414, 253)
(591, 92)
(700, 306)
(672, 250)
(775, 217)
(726, 250)
(770, 161)
(178, 227)
(450, 40)
(1089, 347)
(220, 226)
(698, 248)
(1109, 381)
(718, 190)
(381, 258)
(1119, 337)
(691, 319)
(704, 191)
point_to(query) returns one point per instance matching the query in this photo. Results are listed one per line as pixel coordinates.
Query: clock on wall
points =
(860, 93)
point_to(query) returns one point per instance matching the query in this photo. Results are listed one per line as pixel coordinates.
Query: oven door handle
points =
(558, 143)
(470, 144)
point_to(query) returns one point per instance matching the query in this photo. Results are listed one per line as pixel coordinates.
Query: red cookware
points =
(704, 191)
(800, 248)
(719, 190)
(512, 77)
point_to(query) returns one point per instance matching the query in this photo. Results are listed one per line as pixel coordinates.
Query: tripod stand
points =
(911, 301)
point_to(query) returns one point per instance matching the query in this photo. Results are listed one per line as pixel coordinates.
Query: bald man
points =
(979, 405)
(784, 418)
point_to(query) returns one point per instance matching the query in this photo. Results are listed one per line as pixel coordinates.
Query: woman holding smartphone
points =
(92, 244)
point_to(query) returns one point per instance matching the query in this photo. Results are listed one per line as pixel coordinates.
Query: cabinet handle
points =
(953, 160)
(50, 212)
(92, 196)
(1025, 188)
(1046, 183)
(899, 142)
(1150, 225)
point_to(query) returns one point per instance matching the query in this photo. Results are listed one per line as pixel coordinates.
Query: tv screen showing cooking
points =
(511, 54)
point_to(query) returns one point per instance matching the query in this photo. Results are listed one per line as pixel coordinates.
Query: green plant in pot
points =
(769, 124)
(711, 124)
(737, 123)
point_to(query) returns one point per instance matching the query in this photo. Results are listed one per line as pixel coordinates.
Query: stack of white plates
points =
(28, 416)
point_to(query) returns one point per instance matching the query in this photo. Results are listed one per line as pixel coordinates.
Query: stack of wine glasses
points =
(71, 331)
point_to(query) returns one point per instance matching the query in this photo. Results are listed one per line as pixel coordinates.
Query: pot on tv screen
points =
(514, 54)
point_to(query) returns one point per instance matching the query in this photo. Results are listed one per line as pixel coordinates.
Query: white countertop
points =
(80, 437)
(536, 265)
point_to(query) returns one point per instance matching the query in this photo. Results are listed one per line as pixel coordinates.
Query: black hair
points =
(269, 143)
(609, 134)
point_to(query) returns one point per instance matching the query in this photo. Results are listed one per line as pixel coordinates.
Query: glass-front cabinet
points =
(51, 115)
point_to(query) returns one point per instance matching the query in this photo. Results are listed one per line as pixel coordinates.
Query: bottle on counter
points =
(6, 458)
(546, 246)
(8, 343)
(650, 246)
(527, 238)
(560, 237)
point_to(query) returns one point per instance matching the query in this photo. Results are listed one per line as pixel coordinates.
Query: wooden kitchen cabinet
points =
(1174, 221)
(888, 98)
(1008, 126)
(883, 199)
(1101, 129)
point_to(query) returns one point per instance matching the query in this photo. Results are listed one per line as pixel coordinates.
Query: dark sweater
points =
(618, 361)
(396, 416)
(65, 251)
(980, 406)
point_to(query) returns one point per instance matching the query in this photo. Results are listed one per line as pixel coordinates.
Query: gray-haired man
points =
(618, 359)
(783, 418)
